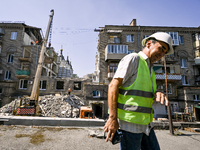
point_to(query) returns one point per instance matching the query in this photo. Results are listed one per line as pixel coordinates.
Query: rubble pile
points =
(60, 106)
(66, 106)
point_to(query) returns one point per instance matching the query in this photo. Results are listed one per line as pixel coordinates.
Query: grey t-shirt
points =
(127, 69)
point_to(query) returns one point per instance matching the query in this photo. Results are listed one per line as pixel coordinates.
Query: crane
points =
(32, 107)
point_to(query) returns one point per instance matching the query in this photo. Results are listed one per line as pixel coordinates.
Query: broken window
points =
(43, 85)
(96, 93)
(77, 85)
(60, 85)
(23, 84)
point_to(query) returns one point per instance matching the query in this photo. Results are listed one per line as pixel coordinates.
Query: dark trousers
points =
(139, 141)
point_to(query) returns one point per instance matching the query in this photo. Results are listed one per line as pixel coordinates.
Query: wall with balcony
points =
(115, 52)
(22, 74)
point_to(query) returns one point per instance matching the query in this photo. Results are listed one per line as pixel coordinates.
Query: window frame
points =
(10, 58)
(130, 38)
(42, 84)
(181, 40)
(13, 35)
(185, 78)
(97, 95)
(183, 63)
(7, 75)
(169, 86)
(196, 97)
(22, 83)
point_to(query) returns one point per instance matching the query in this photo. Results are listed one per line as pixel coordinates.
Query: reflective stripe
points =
(135, 108)
(136, 93)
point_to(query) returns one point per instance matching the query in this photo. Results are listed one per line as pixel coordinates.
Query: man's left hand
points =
(160, 97)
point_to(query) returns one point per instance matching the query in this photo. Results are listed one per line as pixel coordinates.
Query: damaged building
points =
(183, 67)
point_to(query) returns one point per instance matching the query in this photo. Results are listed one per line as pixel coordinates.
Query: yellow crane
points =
(31, 107)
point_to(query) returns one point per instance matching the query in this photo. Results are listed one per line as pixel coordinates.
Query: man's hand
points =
(111, 127)
(160, 97)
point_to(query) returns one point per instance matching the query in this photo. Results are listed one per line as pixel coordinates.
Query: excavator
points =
(29, 105)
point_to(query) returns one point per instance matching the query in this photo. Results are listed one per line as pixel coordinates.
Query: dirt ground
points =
(72, 138)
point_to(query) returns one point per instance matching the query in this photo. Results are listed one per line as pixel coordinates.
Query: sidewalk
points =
(77, 122)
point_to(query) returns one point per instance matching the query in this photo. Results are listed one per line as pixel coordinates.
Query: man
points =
(132, 92)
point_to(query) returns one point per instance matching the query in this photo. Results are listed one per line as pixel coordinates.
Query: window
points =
(13, 36)
(169, 87)
(129, 38)
(114, 39)
(196, 97)
(60, 85)
(130, 51)
(43, 85)
(183, 63)
(119, 49)
(0, 90)
(145, 36)
(185, 80)
(7, 75)
(174, 36)
(23, 84)
(167, 69)
(181, 39)
(10, 58)
(96, 93)
(77, 85)
(113, 67)
(0, 49)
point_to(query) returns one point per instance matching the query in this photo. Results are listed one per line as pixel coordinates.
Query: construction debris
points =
(67, 106)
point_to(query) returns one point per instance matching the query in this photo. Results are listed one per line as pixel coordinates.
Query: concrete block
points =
(46, 121)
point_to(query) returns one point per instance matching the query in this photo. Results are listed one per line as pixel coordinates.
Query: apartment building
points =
(183, 67)
(20, 47)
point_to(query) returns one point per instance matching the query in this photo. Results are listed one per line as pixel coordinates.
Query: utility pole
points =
(35, 89)
(168, 107)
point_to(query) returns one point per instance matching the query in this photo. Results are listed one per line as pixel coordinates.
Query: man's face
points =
(157, 51)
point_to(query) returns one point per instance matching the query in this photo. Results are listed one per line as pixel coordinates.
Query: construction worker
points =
(132, 92)
(69, 90)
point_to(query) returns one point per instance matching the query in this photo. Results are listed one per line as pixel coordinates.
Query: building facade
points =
(183, 70)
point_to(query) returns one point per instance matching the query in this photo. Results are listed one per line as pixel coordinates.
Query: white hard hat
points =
(163, 37)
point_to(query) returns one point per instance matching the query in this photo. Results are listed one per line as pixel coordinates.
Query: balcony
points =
(196, 44)
(115, 52)
(22, 74)
(22, 59)
(175, 77)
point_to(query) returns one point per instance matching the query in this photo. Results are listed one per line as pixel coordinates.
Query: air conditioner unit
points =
(30, 82)
(1, 71)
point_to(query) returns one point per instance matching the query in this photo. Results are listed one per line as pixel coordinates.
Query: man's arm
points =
(112, 124)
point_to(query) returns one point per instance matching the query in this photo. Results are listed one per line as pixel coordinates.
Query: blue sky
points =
(75, 20)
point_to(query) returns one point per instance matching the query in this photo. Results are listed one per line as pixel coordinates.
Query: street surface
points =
(72, 138)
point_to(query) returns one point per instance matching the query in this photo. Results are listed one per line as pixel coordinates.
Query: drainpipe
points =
(138, 39)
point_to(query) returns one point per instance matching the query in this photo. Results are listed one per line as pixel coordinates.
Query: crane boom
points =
(35, 88)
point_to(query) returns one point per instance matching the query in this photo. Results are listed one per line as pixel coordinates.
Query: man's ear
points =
(148, 43)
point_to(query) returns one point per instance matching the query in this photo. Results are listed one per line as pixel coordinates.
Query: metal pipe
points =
(168, 107)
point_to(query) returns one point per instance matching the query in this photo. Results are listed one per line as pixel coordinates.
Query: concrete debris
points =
(98, 133)
(66, 106)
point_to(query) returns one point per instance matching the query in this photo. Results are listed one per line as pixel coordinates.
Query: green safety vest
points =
(135, 102)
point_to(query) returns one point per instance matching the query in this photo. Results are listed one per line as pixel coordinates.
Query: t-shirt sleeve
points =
(127, 67)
